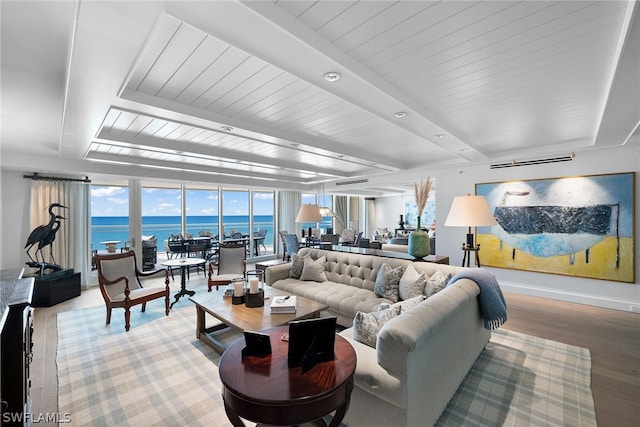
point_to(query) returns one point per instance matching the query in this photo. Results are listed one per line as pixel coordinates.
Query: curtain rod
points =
(56, 178)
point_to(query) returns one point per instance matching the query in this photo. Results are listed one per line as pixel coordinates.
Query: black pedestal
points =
(53, 288)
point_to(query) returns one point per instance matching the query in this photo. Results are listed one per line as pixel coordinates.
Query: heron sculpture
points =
(49, 238)
(44, 235)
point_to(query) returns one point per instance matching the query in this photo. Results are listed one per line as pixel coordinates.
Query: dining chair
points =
(231, 264)
(283, 233)
(120, 285)
(293, 244)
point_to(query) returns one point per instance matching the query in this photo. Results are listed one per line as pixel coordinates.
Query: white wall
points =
(454, 182)
(14, 218)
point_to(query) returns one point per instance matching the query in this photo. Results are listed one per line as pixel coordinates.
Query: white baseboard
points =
(598, 301)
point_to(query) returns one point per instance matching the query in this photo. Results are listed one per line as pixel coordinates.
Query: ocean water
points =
(117, 228)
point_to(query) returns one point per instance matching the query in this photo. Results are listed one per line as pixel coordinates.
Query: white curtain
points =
(288, 207)
(369, 217)
(71, 247)
(341, 212)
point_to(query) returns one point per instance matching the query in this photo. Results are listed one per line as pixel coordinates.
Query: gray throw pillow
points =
(367, 325)
(436, 282)
(412, 283)
(314, 270)
(388, 282)
(297, 262)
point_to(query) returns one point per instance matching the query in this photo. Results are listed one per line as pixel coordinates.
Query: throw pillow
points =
(314, 270)
(367, 325)
(404, 305)
(388, 282)
(436, 282)
(412, 283)
(297, 262)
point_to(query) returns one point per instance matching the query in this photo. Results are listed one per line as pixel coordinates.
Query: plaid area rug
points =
(522, 380)
(158, 373)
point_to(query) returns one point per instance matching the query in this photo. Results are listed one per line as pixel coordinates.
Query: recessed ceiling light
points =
(438, 135)
(332, 76)
(226, 128)
(400, 114)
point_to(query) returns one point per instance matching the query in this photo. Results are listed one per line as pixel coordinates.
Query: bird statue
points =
(39, 236)
(49, 238)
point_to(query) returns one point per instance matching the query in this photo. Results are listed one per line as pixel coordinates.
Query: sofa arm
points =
(276, 272)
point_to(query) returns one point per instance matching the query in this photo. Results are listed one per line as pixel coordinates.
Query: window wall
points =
(161, 212)
(202, 212)
(263, 216)
(172, 209)
(109, 215)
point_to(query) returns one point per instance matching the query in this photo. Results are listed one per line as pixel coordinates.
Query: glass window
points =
(235, 214)
(202, 212)
(109, 215)
(263, 222)
(308, 198)
(161, 212)
(326, 201)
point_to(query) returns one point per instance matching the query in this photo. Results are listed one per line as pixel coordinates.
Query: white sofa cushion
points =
(412, 283)
(436, 282)
(314, 270)
(367, 325)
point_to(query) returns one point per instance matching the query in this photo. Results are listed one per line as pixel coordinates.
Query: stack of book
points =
(282, 304)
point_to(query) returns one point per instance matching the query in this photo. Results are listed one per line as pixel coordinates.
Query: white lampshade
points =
(470, 211)
(325, 211)
(309, 213)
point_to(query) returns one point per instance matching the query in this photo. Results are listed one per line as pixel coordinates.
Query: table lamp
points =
(470, 211)
(309, 213)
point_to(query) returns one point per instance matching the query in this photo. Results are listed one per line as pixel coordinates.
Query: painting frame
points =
(580, 226)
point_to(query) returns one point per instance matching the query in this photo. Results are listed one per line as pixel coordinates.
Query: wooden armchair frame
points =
(126, 290)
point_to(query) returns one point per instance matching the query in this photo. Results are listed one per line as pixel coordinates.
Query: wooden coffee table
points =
(266, 390)
(243, 318)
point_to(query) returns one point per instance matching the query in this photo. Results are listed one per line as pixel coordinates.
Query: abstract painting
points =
(576, 226)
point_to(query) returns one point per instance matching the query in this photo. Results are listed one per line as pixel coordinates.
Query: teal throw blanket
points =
(492, 303)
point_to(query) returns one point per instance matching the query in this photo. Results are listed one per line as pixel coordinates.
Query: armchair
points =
(119, 280)
(231, 264)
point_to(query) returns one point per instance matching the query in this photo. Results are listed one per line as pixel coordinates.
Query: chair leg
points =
(108, 315)
(144, 306)
(127, 319)
(166, 305)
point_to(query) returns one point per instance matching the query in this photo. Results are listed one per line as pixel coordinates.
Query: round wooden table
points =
(265, 390)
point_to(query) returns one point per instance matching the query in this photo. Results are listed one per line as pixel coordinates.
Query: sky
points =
(114, 201)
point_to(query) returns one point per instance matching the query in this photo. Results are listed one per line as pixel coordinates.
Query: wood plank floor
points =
(612, 336)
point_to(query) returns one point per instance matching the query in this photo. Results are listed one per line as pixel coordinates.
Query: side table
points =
(266, 390)
(184, 264)
(262, 265)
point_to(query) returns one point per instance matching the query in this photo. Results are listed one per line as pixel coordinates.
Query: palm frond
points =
(421, 191)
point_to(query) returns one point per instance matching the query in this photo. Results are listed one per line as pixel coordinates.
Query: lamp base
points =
(470, 240)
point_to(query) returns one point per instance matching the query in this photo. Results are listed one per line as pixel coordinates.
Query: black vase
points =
(401, 223)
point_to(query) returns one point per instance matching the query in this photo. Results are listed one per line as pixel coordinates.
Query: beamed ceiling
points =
(233, 92)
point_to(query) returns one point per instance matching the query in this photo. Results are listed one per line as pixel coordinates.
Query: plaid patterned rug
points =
(158, 373)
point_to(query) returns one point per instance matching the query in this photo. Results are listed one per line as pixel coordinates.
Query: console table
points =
(16, 330)
(266, 390)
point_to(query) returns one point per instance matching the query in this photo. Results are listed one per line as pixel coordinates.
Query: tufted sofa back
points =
(361, 271)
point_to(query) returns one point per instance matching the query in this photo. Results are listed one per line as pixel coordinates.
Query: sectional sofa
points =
(421, 355)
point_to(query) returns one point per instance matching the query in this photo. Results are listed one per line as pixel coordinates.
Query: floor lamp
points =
(309, 213)
(470, 211)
